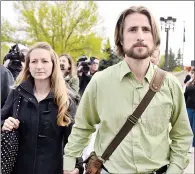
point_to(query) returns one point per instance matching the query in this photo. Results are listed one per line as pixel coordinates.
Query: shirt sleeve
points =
(181, 134)
(85, 120)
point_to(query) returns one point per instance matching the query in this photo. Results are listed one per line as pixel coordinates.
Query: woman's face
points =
(40, 65)
(64, 64)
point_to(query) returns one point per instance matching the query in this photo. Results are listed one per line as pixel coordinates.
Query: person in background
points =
(69, 72)
(7, 80)
(45, 114)
(84, 74)
(155, 57)
(190, 102)
(14, 60)
(94, 65)
(188, 76)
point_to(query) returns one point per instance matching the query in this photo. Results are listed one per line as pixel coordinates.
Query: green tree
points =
(162, 62)
(111, 58)
(4, 50)
(107, 49)
(172, 61)
(67, 25)
(179, 58)
(7, 31)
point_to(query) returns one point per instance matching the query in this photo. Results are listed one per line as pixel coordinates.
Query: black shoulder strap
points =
(155, 86)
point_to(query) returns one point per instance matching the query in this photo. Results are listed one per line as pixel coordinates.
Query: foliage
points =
(172, 62)
(4, 50)
(107, 49)
(7, 31)
(177, 69)
(68, 26)
(111, 58)
(162, 62)
(179, 58)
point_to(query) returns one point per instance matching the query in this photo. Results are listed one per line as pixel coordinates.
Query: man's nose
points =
(140, 35)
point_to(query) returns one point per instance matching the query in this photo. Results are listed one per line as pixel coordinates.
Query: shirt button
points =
(19, 89)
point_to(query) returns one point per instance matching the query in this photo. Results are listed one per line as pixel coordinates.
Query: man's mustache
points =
(139, 44)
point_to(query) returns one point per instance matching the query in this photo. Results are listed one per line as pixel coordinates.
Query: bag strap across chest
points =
(154, 87)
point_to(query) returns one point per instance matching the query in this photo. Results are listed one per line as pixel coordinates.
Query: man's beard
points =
(140, 53)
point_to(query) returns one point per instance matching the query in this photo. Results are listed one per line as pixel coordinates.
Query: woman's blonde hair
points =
(118, 37)
(72, 72)
(57, 82)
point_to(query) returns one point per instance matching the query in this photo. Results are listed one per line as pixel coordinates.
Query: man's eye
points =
(132, 29)
(146, 29)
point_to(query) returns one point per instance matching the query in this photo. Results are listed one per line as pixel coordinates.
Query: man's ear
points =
(121, 42)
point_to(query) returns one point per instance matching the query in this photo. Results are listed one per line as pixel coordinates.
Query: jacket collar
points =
(28, 86)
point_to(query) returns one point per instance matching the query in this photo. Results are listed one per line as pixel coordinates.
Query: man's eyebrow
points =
(135, 26)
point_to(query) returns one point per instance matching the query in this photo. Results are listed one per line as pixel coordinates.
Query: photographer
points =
(14, 60)
(94, 65)
(84, 75)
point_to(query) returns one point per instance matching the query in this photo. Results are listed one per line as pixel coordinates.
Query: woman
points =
(45, 113)
(190, 101)
(69, 72)
(188, 76)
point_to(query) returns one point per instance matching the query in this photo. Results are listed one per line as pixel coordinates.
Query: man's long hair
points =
(120, 27)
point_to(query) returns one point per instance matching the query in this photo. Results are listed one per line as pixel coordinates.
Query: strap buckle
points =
(133, 119)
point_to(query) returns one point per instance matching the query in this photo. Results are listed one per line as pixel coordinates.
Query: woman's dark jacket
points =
(187, 78)
(41, 140)
(190, 96)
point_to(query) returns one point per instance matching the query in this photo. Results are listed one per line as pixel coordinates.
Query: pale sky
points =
(110, 11)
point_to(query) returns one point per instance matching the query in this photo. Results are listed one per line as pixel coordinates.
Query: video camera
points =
(85, 63)
(16, 58)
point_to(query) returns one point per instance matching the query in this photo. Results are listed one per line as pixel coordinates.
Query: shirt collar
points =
(125, 70)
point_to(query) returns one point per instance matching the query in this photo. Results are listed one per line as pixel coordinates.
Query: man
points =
(86, 69)
(14, 60)
(6, 81)
(94, 65)
(83, 64)
(113, 94)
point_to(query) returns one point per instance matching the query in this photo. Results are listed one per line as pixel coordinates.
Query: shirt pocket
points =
(155, 119)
